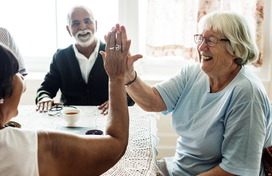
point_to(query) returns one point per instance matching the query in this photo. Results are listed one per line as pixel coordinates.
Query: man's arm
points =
(49, 88)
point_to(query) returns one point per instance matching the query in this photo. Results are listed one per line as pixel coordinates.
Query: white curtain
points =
(171, 24)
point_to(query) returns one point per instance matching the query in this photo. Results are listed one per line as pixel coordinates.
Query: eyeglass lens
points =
(211, 41)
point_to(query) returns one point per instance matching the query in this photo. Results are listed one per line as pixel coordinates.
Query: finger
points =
(112, 38)
(41, 107)
(45, 107)
(106, 112)
(101, 106)
(136, 57)
(108, 42)
(113, 29)
(124, 36)
(50, 105)
(103, 110)
(118, 42)
(38, 106)
(103, 54)
(127, 46)
(105, 107)
(105, 38)
(117, 26)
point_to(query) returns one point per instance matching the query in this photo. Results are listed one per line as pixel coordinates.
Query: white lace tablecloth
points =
(140, 156)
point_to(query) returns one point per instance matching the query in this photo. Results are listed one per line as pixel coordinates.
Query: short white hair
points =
(235, 28)
(78, 7)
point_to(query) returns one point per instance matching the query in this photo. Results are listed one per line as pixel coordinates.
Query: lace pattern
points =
(140, 156)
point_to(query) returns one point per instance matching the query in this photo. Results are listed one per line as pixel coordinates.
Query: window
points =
(39, 27)
(160, 68)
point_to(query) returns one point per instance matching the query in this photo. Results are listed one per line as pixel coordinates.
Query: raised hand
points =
(116, 54)
(130, 59)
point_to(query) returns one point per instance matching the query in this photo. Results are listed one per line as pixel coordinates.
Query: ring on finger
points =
(117, 47)
(112, 48)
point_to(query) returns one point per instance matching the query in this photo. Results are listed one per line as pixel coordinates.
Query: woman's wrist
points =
(133, 81)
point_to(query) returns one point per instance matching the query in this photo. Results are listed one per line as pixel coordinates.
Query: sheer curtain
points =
(171, 24)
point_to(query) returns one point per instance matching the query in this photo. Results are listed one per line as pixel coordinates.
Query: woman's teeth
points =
(206, 57)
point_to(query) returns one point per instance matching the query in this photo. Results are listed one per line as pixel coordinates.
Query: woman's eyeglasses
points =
(210, 41)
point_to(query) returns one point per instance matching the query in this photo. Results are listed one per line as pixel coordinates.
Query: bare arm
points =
(215, 172)
(68, 154)
(147, 97)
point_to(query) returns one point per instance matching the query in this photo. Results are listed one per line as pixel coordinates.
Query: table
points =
(140, 156)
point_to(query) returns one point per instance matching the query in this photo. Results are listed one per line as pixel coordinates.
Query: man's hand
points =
(45, 104)
(104, 107)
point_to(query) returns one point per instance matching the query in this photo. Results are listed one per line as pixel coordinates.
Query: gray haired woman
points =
(219, 107)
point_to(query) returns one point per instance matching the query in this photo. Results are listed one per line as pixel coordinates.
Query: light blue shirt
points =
(229, 128)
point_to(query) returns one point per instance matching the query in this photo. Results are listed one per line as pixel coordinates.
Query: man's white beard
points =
(84, 41)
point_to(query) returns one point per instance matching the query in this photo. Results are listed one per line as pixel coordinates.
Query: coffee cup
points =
(71, 115)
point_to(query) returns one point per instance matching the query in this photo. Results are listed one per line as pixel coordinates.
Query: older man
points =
(77, 70)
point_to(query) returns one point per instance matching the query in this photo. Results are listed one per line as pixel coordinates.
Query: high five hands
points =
(118, 45)
(130, 59)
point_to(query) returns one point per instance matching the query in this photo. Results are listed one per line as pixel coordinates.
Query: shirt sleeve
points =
(171, 89)
(244, 137)
(51, 83)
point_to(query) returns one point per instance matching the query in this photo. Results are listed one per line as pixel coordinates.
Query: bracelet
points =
(132, 82)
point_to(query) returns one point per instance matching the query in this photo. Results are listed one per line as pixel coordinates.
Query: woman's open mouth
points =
(207, 58)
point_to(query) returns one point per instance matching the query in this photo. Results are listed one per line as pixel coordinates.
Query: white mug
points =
(71, 115)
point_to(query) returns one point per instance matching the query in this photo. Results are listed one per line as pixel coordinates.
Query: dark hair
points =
(8, 68)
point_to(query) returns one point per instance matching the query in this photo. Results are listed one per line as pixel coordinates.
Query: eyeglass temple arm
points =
(224, 40)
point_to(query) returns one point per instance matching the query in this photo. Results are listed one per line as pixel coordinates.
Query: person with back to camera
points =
(219, 107)
(41, 153)
(77, 70)
(7, 39)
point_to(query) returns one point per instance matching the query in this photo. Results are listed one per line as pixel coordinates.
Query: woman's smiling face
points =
(214, 59)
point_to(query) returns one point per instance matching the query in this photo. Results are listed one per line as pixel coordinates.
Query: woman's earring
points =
(2, 101)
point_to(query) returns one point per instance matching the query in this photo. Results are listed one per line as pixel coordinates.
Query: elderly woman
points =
(33, 153)
(219, 107)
